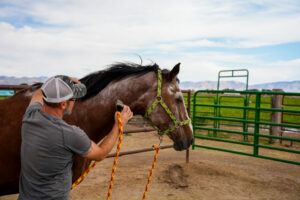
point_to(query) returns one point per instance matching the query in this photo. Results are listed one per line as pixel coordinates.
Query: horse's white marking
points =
(171, 90)
(190, 124)
(178, 95)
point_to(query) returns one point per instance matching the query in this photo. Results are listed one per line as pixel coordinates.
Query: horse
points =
(146, 89)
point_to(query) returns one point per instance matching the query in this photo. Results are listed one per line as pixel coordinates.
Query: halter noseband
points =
(159, 100)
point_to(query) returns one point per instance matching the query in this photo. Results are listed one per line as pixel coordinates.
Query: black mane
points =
(97, 81)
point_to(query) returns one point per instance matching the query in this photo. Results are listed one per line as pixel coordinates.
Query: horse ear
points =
(174, 72)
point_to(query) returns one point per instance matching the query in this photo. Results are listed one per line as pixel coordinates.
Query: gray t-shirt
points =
(47, 152)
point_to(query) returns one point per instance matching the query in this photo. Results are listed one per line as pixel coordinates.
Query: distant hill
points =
(293, 86)
(11, 80)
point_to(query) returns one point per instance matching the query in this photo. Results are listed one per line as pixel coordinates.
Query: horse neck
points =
(96, 115)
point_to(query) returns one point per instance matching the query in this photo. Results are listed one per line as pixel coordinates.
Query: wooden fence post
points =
(276, 116)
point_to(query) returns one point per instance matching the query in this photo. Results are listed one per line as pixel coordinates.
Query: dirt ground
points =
(210, 175)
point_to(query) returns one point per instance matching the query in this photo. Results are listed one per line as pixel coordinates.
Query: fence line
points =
(256, 121)
(13, 87)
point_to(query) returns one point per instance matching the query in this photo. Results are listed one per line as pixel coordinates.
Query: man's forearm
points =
(98, 153)
(37, 97)
(110, 140)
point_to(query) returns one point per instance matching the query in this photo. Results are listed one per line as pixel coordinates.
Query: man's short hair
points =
(52, 105)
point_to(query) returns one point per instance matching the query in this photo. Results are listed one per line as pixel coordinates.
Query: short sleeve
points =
(77, 141)
(35, 106)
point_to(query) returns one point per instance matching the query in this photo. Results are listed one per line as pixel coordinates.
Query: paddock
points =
(208, 175)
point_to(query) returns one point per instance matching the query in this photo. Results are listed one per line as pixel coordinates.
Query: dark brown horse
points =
(135, 85)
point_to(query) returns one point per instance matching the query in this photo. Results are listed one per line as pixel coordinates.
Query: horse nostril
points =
(192, 140)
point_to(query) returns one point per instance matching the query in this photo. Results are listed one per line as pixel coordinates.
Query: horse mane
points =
(97, 81)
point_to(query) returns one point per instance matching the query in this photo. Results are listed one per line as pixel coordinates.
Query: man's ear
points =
(63, 105)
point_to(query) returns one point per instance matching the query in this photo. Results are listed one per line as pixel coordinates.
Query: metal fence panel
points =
(253, 127)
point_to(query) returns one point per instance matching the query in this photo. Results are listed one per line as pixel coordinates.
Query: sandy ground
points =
(210, 175)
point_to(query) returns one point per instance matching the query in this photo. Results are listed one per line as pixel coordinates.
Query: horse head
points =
(167, 111)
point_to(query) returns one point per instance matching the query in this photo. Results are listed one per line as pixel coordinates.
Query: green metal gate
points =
(208, 118)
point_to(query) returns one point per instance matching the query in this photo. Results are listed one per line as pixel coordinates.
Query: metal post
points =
(256, 126)
(216, 115)
(219, 114)
(245, 129)
(282, 115)
(194, 118)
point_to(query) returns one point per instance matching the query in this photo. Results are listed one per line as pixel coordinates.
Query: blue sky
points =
(45, 38)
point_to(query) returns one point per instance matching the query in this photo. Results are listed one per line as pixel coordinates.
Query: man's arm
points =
(37, 97)
(100, 152)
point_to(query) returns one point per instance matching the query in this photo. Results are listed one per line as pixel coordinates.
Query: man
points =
(49, 143)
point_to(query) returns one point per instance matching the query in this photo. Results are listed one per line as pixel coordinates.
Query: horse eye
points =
(179, 100)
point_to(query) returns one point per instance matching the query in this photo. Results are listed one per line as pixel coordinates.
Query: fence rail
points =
(13, 87)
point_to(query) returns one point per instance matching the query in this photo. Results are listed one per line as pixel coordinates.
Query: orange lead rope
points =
(117, 155)
(84, 175)
(151, 172)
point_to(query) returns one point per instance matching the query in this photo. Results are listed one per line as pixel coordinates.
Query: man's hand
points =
(75, 80)
(126, 115)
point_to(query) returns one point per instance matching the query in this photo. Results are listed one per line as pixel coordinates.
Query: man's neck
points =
(52, 111)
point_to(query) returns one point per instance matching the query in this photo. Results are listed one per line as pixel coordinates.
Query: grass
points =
(3, 97)
(235, 137)
(240, 113)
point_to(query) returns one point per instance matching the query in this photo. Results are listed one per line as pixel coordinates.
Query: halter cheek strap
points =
(159, 100)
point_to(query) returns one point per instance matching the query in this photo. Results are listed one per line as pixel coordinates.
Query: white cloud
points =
(277, 71)
(79, 37)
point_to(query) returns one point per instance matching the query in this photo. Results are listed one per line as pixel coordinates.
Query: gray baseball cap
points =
(61, 88)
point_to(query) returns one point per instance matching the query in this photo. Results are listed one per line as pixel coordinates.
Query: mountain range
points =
(292, 86)
(11, 80)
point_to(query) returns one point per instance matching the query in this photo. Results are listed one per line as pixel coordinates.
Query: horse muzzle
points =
(183, 143)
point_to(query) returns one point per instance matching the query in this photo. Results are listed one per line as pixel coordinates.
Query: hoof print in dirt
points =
(175, 176)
